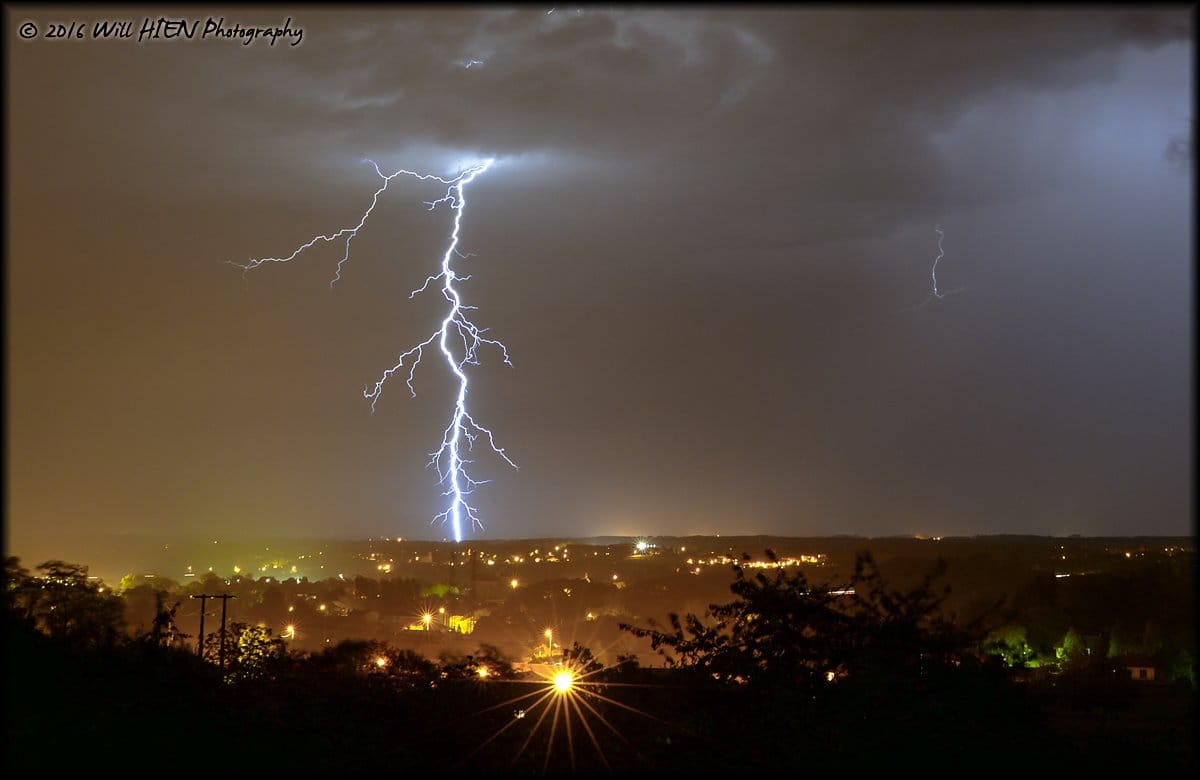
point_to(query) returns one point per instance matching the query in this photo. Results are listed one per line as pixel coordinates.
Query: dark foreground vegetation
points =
(789, 676)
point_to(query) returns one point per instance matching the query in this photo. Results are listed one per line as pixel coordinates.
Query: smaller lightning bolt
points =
(468, 64)
(936, 292)
(941, 254)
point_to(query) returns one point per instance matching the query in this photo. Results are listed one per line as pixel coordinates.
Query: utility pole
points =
(204, 597)
(224, 602)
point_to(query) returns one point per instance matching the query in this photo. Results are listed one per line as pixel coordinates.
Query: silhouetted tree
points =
(498, 665)
(17, 599)
(62, 603)
(409, 669)
(627, 663)
(903, 633)
(487, 661)
(352, 657)
(251, 652)
(581, 659)
(780, 628)
(163, 630)
(784, 631)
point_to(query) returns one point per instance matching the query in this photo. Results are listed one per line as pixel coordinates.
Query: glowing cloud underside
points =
(456, 330)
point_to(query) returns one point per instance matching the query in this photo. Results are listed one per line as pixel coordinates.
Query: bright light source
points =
(483, 671)
(563, 681)
(513, 584)
(381, 661)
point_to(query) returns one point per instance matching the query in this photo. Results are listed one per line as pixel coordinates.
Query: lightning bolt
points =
(456, 329)
(941, 254)
(935, 292)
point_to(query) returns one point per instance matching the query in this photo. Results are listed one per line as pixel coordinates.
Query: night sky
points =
(706, 242)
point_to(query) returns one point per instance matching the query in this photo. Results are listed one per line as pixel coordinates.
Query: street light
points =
(563, 681)
(549, 634)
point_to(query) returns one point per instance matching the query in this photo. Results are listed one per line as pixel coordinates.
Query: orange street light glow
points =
(563, 682)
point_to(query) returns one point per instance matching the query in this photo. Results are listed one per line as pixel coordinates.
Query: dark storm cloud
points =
(706, 244)
(544, 84)
(619, 84)
(846, 103)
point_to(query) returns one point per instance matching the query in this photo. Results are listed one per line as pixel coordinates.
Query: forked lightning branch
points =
(458, 339)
